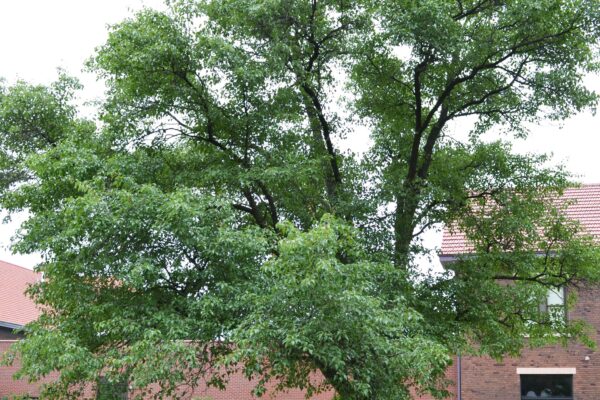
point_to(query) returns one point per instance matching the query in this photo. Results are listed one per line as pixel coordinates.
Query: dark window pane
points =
(547, 386)
(111, 390)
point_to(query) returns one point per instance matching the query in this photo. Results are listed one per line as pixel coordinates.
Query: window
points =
(549, 387)
(554, 304)
(108, 390)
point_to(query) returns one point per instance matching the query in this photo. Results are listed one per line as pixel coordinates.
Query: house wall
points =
(7, 334)
(451, 375)
(10, 386)
(484, 378)
(239, 388)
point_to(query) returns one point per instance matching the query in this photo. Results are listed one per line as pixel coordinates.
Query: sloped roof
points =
(585, 208)
(15, 307)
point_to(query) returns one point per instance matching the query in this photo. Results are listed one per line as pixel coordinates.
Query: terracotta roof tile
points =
(585, 208)
(15, 306)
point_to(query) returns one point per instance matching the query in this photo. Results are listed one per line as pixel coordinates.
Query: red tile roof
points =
(15, 306)
(585, 208)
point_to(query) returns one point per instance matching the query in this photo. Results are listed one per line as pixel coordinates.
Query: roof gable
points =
(585, 208)
(15, 307)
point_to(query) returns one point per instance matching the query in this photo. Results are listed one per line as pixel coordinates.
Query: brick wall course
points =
(10, 386)
(484, 378)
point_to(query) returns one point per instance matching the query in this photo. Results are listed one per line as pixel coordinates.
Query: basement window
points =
(108, 390)
(547, 386)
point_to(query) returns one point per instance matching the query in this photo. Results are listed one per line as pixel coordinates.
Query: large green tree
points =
(212, 219)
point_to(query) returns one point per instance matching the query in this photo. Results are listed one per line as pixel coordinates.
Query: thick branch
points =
(472, 11)
(210, 138)
(414, 154)
(434, 135)
(254, 210)
(271, 203)
(325, 130)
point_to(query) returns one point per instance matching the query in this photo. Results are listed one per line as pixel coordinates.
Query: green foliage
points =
(311, 303)
(209, 220)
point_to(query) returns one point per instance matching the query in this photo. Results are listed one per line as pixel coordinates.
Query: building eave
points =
(10, 325)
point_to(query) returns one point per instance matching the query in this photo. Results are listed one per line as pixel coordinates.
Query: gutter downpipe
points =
(459, 377)
(446, 260)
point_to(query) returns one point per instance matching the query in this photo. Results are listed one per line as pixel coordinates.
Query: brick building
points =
(552, 372)
(16, 310)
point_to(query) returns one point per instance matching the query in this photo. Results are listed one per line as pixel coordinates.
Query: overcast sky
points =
(38, 36)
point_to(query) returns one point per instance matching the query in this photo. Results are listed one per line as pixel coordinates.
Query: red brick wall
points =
(239, 387)
(451, 375)
(9, 386)
(484, 378)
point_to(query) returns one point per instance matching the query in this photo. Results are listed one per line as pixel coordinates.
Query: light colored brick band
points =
(546, 371)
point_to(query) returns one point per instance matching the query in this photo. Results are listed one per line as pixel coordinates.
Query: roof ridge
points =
(580, 185)
(582, 204)
(17, 266)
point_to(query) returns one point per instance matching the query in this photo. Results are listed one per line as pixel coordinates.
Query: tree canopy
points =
(213, 217)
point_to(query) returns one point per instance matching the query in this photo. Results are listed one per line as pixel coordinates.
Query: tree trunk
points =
(407, 202)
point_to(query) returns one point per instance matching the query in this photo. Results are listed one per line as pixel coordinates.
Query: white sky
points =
(38, 36)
